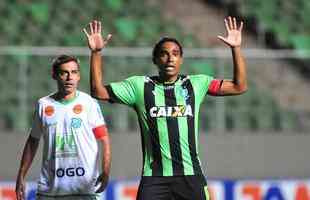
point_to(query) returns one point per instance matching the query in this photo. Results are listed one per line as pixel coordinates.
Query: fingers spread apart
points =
(231, 24)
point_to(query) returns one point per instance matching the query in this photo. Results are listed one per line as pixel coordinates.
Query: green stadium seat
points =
(127, 28)
(114, 5)
(282, 31)
(132, 25)
(301, 42)
(40, 12)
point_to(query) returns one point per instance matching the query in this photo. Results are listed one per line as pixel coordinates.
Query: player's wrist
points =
(234, 48)
(95, 50)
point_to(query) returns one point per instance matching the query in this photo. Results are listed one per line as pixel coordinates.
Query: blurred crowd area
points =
(275, 102)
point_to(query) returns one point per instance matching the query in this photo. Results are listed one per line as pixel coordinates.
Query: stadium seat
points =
(127, 28)
(59, 23)
(301, 43)
(114, 5)
(40, 12)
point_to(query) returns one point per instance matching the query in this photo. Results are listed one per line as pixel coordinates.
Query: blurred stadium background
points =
(253, 146)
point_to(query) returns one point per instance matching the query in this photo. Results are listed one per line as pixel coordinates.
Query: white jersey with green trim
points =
(70, 155)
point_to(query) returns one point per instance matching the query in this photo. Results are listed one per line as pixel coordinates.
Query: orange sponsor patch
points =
(77, 109)
(49, 111)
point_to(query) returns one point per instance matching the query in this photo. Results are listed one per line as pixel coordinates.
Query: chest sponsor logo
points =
(65, 140)
(77, 109)
(171, 111)
(65, 145)
(69, 172)
(49, 111)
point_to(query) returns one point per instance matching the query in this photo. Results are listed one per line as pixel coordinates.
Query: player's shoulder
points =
(44, 102)
(85, 97)
(200, 78)
(135, 81)
(81, 94)
(46, 99)
(136, 78)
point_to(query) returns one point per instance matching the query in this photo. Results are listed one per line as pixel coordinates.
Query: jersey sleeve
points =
(96, 120)
(123, 92)
(202, 83)
(36, 129)
(215, 86)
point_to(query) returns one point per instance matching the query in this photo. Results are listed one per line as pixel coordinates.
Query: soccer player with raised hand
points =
(168, 106)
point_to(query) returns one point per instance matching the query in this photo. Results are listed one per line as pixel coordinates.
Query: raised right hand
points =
(95, 40)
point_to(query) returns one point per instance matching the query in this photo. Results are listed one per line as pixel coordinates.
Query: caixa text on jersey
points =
(171, 111)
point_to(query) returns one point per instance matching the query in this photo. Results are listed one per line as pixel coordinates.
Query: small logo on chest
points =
(77, 109)
(183, 93)
(49, 111)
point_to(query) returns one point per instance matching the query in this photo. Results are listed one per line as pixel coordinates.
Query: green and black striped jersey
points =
(168, 118)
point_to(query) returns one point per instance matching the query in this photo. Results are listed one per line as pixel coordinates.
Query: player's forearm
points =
(240, 76)
(29, 152)
(106, 155)
(97, 88)
(95, 72)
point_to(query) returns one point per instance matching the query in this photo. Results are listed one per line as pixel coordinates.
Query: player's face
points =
(68, 77)
(169, 60)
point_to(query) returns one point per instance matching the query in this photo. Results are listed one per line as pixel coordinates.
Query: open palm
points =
(95, 40)
(233, 38)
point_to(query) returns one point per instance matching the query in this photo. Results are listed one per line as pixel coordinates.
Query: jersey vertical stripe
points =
(149, 101)
(183, 130)
(192, 137)
(143, 143)
(163, 133)
(174, 135)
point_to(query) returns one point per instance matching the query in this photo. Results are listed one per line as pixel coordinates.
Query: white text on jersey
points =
(171, 111)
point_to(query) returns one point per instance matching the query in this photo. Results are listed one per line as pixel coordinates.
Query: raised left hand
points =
(233, 38)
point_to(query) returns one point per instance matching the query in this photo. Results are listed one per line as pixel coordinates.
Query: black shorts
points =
(173, 188)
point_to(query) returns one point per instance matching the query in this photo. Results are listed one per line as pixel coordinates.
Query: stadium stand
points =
(290, 29)
(58, 23)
